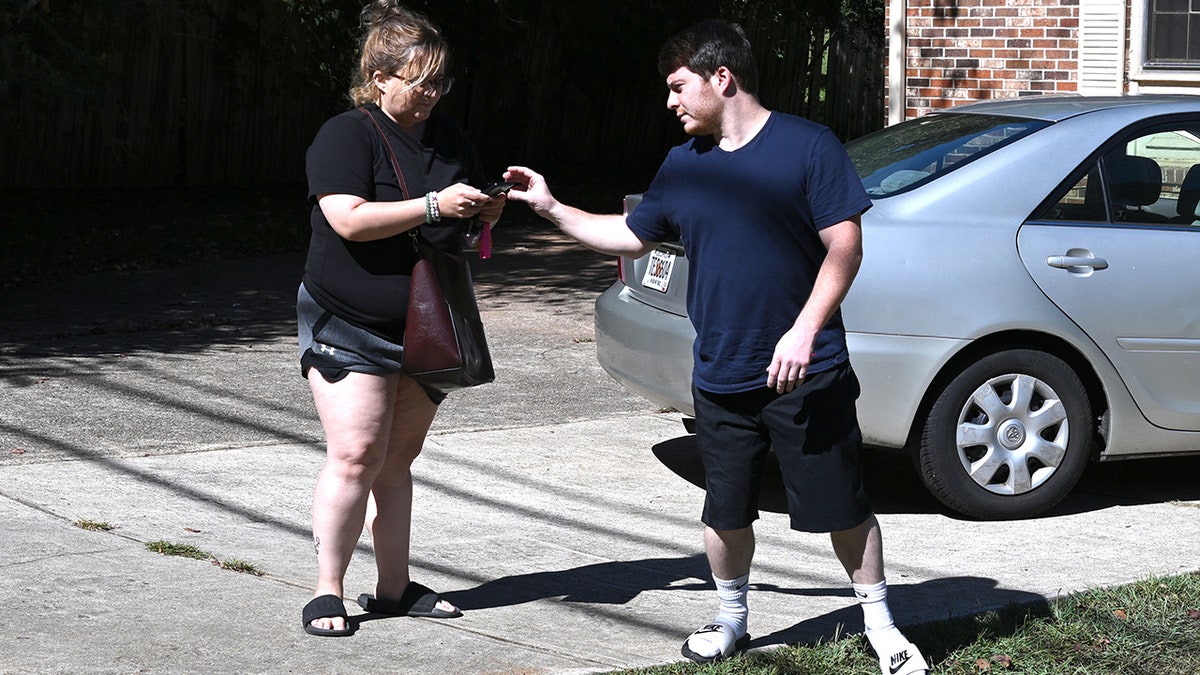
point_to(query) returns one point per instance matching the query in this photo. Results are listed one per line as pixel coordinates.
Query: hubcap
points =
(1012, 434)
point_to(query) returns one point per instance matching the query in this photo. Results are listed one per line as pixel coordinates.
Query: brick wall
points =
(969, 50)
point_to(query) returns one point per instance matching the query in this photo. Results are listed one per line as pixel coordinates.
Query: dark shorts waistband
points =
(336, 347)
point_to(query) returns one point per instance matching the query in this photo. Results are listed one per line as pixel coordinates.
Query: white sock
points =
(735, 605)
(885, 638)
(732, 613)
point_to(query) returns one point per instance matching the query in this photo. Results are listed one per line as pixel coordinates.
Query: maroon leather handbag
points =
(444, 344)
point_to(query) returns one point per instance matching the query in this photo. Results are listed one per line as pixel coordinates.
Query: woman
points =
(366, 223)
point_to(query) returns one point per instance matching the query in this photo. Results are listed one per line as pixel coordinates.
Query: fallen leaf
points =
(190, 529)
(1120, 614)
(1004, 660)
(983, 664)
(18, 451)
(1194, 613)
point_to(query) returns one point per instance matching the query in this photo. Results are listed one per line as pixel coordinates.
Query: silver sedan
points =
(1029, 298)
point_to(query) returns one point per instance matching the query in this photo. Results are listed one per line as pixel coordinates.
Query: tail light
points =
(622, 261)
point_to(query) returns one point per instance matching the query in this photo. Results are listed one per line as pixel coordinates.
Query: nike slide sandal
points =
(904, 661)
(715, 633)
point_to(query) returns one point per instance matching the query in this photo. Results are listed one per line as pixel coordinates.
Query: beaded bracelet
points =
(432, 212)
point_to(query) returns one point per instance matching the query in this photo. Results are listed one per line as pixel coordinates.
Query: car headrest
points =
(1133, 181)
(1189, 193)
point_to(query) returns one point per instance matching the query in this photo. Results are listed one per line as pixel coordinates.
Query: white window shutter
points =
(1101, 46)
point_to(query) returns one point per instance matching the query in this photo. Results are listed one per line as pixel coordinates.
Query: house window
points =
(1174, 33)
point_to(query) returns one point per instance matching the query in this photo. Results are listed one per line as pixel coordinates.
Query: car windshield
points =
(907, 155)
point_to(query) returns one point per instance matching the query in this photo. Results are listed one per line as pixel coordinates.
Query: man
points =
(767, 206)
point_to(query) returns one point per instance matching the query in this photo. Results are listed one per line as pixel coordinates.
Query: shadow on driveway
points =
(894, 486)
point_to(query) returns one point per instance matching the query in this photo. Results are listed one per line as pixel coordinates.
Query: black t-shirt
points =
(366, 283)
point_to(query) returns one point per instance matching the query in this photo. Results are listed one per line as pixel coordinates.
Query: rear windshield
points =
(910, 154)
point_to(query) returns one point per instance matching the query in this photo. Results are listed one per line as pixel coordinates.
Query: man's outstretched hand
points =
(531, 189)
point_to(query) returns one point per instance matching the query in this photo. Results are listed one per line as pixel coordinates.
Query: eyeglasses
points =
(441, 85)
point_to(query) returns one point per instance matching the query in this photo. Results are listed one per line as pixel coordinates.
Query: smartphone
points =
(493, 189)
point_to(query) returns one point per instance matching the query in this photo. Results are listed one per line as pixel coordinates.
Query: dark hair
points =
(707, 46)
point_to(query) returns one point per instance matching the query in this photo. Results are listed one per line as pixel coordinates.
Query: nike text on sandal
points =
(904, 661)
(714, 633)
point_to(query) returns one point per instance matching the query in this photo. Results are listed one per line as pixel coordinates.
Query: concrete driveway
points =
(552, 506)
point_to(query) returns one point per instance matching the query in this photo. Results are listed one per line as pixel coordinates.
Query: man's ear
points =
(724, 82)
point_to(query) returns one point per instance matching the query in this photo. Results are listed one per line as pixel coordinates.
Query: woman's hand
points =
(490, 213)
(461, 201)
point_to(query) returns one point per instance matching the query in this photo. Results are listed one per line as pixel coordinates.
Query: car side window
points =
(1084, 201)
(1151, 179)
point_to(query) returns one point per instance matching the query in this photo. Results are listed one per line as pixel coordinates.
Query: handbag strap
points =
(391, 153)
(396, 168)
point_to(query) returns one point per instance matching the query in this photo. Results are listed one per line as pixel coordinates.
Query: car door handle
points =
(1066, 262)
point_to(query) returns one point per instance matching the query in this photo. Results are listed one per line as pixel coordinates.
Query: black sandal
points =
(324, 607)
(417, 600)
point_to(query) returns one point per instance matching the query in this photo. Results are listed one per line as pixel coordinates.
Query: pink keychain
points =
(485, 242)
(485, 236)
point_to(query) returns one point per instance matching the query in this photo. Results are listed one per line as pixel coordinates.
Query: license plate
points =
(658, 272)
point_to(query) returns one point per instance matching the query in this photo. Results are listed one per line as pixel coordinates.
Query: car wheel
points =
(1008, 437)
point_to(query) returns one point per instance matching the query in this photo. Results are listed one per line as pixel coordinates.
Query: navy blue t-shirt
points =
(749, 222)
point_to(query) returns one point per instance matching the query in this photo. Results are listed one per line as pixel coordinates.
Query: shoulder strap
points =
(391, 153)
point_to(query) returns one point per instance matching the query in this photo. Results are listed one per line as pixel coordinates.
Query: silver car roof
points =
(1057, 107)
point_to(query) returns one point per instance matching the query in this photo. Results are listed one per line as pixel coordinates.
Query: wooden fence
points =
(231, 95)
(220, 97)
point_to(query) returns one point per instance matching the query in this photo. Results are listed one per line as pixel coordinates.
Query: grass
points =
(93, 525)
(181, 550)
(1151, 627)
(188, 551)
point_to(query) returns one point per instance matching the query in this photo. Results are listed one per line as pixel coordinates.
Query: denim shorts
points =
(336, 347)
(814, 433)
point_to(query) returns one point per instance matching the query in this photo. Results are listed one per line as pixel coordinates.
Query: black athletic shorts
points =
(814, 432)
(336, 347)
